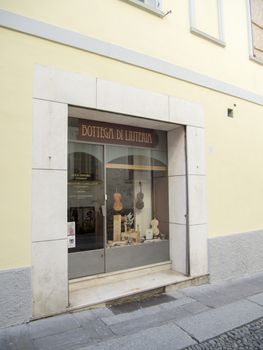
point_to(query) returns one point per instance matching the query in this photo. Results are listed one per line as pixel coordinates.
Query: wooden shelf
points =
(136, 167)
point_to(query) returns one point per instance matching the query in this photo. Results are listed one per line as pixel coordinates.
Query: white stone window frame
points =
(194, 30)
(53, 91)
(145, 5)
(250, 35)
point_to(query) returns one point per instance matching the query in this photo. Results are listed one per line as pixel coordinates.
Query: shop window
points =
(86, 195)
(137, 190)
(117, 196)
(256, 11)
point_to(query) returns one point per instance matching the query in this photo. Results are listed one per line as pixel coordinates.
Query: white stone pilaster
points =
(49, 208)
(197, 201)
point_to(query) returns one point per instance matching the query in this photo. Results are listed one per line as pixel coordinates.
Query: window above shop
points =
(206, 20)
(152, 6)
(152, 3)
(256, 30)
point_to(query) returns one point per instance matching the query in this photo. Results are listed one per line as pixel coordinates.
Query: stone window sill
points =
(145, 7)
(255, 59)
(207, 36)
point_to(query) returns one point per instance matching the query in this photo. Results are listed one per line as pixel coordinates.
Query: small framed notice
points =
(71, 235)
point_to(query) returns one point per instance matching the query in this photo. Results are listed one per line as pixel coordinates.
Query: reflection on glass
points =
(137, 191)
(136, 187)
(86, 194)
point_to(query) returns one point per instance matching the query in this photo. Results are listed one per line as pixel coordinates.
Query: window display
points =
(133, 214)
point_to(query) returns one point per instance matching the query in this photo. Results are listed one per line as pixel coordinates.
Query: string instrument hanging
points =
(139, 204)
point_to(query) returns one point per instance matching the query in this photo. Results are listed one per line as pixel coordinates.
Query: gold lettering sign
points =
(94, 131)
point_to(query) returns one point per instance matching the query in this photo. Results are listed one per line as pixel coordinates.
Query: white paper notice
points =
(71, 235)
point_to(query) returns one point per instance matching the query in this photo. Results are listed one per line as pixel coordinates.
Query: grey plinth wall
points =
(16, 296)
(236, 255)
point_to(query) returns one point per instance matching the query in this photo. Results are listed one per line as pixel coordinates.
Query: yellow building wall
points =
(234, 160)
(169, 38)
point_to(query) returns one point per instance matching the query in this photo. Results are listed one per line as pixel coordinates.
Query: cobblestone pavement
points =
(248, 337)
(226, 315)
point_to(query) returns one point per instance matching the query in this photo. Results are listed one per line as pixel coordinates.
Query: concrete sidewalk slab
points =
(129, 316)
(70, 340)
(217, 321)
(247, 337)
(195, 307)
(148, 321)
(16, 338)
(226, 292)
(52, 325)
(173, 320)
(258, 299)
(168, 337)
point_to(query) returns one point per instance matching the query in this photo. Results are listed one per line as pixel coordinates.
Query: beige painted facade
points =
(233, 146)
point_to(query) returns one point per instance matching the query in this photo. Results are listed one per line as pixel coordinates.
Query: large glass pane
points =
(137, 190)
(86, 194)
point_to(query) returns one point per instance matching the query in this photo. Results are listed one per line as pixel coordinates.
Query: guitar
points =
(139, 204)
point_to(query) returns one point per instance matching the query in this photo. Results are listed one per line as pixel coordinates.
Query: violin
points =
(139, 204)
(154, 224)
